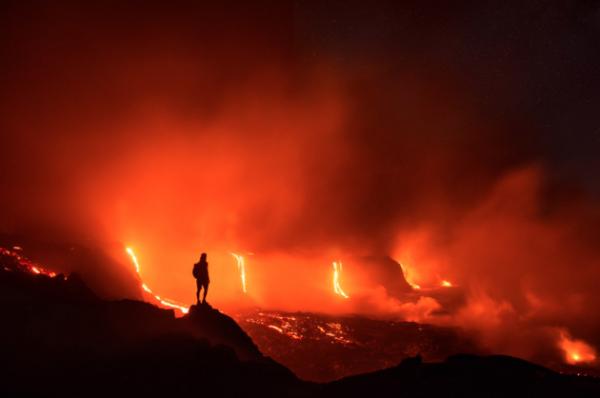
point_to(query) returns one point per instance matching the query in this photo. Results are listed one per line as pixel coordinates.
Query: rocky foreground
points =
(57, 338)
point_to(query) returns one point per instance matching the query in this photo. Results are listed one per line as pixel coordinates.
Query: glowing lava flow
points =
(576, 351)
(337, 270)
(242, 268)
(407, 277)
(22, 263)
(165, 302)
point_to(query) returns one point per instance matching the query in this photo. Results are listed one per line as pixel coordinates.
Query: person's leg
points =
(197, 292)
(205, 291)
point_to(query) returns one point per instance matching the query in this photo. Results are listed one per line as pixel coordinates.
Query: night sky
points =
(530, 63)
(530, 66)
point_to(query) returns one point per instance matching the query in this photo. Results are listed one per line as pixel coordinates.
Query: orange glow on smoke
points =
(241, 268)
(576, 351)
(337, 270)
(165, 302)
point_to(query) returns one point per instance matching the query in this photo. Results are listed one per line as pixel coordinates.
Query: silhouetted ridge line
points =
(59, 339)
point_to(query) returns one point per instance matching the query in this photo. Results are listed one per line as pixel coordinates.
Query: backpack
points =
(196, 270)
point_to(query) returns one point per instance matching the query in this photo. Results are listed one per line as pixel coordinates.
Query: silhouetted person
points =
(200, 272)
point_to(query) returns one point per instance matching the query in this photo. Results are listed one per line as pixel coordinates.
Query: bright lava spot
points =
(165, 302)
(576, 351)
(242, 268)
(277, 328)
(337, 270)
(446, 283)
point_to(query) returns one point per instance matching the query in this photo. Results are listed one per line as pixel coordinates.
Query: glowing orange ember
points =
(337, 270)
(165, 302)
(576, 351)
(242, 268)
(446, 283)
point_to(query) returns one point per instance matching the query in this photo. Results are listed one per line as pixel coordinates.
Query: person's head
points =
(203, 257)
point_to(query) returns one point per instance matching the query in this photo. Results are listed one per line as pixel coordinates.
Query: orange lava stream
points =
(337, 270)
(242, 268)
(25, 263)
(165, 302)
(408, 278)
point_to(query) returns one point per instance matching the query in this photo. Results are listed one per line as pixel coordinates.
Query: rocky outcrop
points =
(58, 338)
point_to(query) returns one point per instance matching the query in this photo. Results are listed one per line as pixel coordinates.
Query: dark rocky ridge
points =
(58, 339)
(466, 376)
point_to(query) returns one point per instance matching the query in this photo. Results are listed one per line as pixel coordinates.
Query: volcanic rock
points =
(58, 339)
(466, 376)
